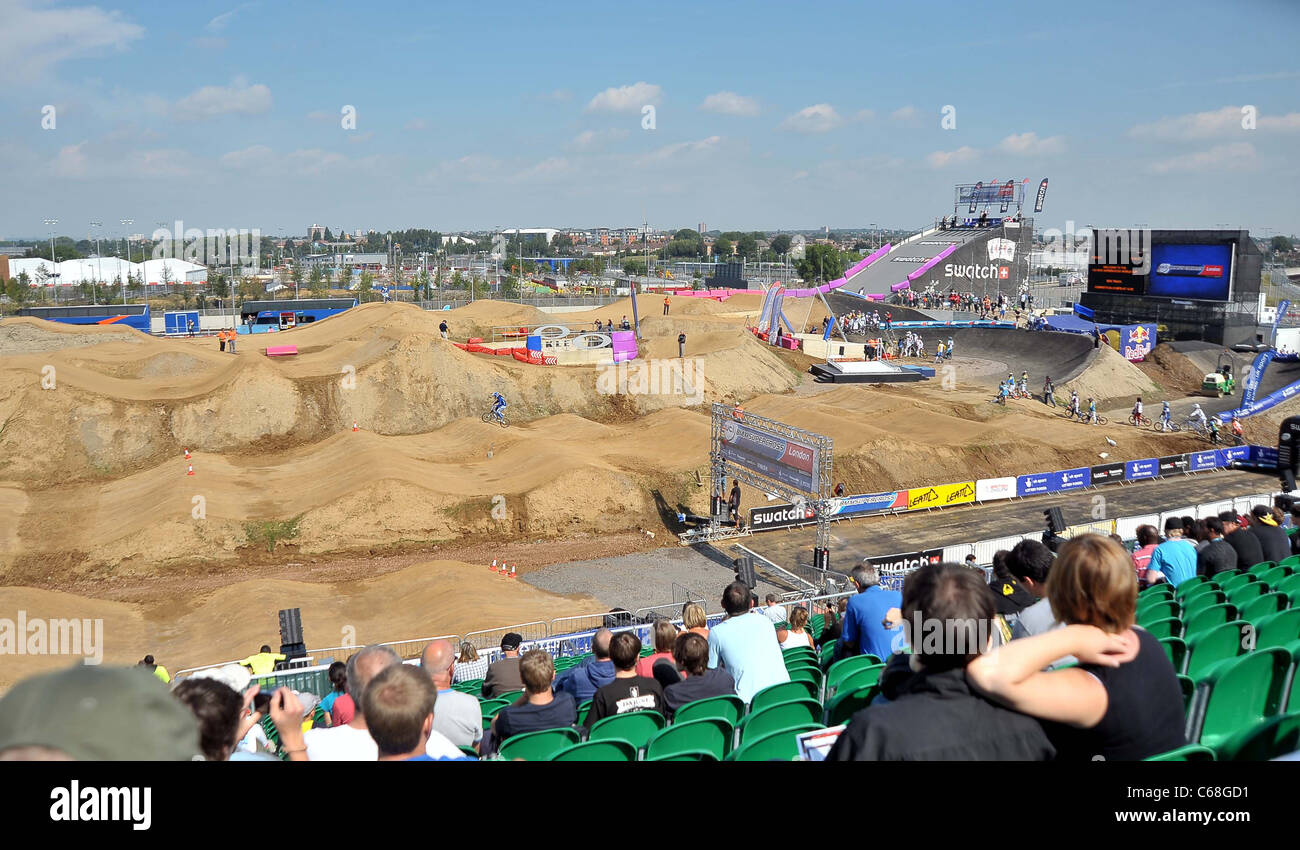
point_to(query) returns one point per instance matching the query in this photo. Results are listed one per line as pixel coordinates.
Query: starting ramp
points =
(868, 372)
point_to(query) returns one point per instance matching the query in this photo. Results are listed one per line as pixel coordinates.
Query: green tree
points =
(781, 244)
(1280, 245)
(722, 247)
(747, 247)
(366, 285)
(317, 282)
(821, 262)
(296, 277)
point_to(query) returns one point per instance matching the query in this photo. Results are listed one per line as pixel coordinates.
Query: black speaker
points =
(745, 571)
(292, 644)
(1055, 520)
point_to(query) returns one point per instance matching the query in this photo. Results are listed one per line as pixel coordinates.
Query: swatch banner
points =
(894, 568)
(1042, 196)
(1137, 470)
(940, 496)
(1201, 461)
(770, 517)
(1255, 375)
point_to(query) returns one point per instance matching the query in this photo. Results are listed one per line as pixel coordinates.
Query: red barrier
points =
(474, 339)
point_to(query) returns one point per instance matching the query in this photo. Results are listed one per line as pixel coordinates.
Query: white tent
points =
(177, 271)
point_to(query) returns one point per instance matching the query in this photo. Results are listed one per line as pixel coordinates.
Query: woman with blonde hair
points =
(1122, 702)
(469, 666)
(796, 635)
(694, 619)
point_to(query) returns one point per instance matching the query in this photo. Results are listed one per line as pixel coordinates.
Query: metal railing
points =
(491, 638)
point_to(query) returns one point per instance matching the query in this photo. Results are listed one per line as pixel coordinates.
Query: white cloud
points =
(730, 103)
(34, 38)
(220, 22)
(107, 158)
(590, 140)
(1028, 144)
(626, 98)
(1238, 156)
(556, 96)
(1282, 123)
(247, 158)
(239, 98)
(941, 159)
(70, 162)
(903, 113)
(416, 124)
(1216, 123)
(818, 118)
(667, 152)
(864, 115)
(800, 175)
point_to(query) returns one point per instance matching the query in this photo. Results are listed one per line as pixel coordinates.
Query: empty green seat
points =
(490, 707)
(1191, 752)
(728, 707)
(1207, 648)
(606, 749)
(865, 677)
(811, 676)
(845, 666)
(511, 697)
(1229, 582)
(782, 692)
(1145, 602)
(1215, 615)
(582, 712)
(1197, 592)
(1194, 605)
(1241, 693)
(846, 703)
(782, 745)
(685, 755)
(1161, 589)
(537, 746)
(1188, 687)
(709, 734)
(1176, 649)
(1278, 629)
(1158, 611)
(1275, 575)
(1292, 561)
(1188, 585)
(1275, 737)
(799, 652)
(635, 727)
(1168, 627)
(816, 625)
(1263, 606)
(1242, 594)
(795, 712)
(1257, 569)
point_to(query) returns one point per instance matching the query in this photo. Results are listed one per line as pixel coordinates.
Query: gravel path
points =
(643, 580)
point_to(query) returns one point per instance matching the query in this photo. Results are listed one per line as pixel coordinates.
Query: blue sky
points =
(766, 115)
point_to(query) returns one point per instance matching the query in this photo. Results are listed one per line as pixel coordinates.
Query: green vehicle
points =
(1219, 383)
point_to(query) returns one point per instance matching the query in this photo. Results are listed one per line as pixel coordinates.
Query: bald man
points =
(456, 715)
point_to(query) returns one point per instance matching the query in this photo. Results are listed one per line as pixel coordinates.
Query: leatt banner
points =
(1042, 196)
(940, 496)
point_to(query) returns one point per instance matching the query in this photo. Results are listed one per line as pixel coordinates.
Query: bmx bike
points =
(498, 418)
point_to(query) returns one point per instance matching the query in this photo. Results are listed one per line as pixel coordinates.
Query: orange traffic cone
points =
(503, 568)
(354, 426)
(512, 572)
(187, 454)
(493, 568)
(191, 470)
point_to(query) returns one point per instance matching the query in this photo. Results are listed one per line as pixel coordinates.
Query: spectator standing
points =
(699, 681)
(503, 676)
(583, 681)
(665, 635)
(834, 619)
(442, 328)
(458, 717)
(665, 305)
(539, 708)
(629, 691)
(1245, 544)
(864, 631)
(745, 644)
(1216, 556)
(1174, 560)
(935, 714)
(733, 502)
(263, 662)
(469, 666)
(1273, 541)
(1123, 701)
(681, 344)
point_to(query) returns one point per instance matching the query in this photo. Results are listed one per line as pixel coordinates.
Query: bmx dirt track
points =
(96, 507)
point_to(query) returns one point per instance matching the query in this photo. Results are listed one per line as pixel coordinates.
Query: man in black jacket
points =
(1216, 556)
(1272, 540)
(1249, 552)
(933, 714)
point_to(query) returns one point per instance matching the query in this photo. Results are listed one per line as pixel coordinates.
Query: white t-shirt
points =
(792, 640)
(347, 743)
(775, 613)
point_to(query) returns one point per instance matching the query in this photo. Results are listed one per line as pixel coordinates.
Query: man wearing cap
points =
(1249, 552)
(458, 717)
(94, 713)
(503, 676)
(263, 663)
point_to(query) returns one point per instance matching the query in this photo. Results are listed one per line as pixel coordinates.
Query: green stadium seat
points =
(846, 703)
(1260, 568)
(811, 676)
(469, 751)
(1290, 586)
(1292, 561)
(1240, 694)
(1191, 752)
(1188, 688)
(1278, 629)
(1147, 602)
(824, 657)
(1168, 627)
(635, 727)
(1218, 643)
(865, 677)
(709, 734)
(606, 749)
(845, 666)
(686, 755)
(1264, 606)
(537, 746)
(729, 707)
(1275, 737)
(782, 692)
(1197, 603)
(582, 712)
(1275, 575)
(1244, 593)
(490, 707)
(811, 666)
(1188, 585)
(1215, 615)
(799, 652)
(817, 624)
(796, 712)
(1159, 610)
(1156, 590)
(782, 745)
(511, 697)
(1231, 581)
(1176, 649)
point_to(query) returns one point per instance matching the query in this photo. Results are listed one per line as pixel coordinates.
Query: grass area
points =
(270, 533)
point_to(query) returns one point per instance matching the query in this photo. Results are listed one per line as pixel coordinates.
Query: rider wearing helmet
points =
(1092, 411)
(498, 405)
(1197, 415)
(1137, 411)
(1165, 413)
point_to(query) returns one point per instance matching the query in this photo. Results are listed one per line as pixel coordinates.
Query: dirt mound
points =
(1174, 372)
(29, 335)
(1110, 378)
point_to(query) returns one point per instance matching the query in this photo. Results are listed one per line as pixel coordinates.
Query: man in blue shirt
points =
(745, 644)
(1176, 557)
(583, 681)
(864, 631)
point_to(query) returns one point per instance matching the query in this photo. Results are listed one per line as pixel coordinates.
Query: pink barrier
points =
(900, 286)
(932, 262)
(280, 350)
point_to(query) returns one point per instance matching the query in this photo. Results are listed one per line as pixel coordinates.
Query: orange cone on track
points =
(512, 572)
(503, 568)
(190, 471)
(493, 568)
(354, 426)
(187, 454)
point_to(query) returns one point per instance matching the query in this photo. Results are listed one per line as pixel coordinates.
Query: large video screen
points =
(1200, 272)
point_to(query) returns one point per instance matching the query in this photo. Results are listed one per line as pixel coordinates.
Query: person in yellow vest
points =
(157, 669)
(263, 662)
